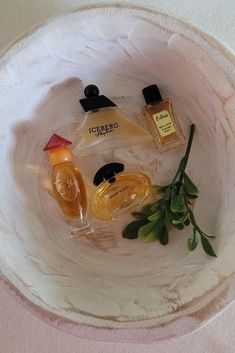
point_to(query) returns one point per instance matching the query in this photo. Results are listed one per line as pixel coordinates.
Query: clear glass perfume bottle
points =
(105, 126)
(68, 185)
(118, 192)
(161, 120)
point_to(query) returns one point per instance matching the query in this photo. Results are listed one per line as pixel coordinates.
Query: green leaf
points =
(187, 222)
(190, 197)
(150, 232)
(192, 241)
(156, 207)
(178, 204)
(179, 226)
(206, 235)
(168, 214)
(207, 246)
(131, 229)
(182, 219)
(139, 215)
(156, 216)
(147, 209)
(177, 187)
(189, 186)
(170, 217)
(160, 189)
(163, 238)
(172, 210)
(174, 192)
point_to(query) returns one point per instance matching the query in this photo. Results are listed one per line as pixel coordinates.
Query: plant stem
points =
(190, 140)
(192, 219)
(191, 215)
(184, 160)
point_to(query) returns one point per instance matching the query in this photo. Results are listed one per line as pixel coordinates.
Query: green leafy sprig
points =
(174, 209)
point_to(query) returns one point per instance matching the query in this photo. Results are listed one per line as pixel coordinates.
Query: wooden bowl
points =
(108, 288)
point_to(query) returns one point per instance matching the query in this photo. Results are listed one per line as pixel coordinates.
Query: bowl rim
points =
(223, 295)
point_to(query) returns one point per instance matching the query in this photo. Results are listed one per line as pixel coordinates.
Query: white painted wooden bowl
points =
(108, 288)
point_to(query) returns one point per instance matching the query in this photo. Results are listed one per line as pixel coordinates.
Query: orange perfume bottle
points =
(67, 183)
(161, 120)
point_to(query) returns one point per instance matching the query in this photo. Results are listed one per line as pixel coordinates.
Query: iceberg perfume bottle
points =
(67, 184)
(105, 126)
(161, 120)
(117, 191)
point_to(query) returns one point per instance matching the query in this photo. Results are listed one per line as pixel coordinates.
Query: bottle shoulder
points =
(99, 111)
(65, 165)
(131, 176)
(128, 180)
(158, 106)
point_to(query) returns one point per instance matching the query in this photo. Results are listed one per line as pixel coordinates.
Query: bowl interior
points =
(41, 81)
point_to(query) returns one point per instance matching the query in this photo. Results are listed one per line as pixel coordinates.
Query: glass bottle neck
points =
(59, 155)
(154, 102)
(101, 109)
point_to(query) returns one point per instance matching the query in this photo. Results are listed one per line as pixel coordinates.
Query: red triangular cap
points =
(56, 141)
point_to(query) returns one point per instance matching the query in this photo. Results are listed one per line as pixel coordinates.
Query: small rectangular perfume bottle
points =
(161, 120)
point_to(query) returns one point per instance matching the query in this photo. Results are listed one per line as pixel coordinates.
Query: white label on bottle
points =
(164, 123)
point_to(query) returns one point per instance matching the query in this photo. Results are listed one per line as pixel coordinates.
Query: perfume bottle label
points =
(164, 123)
(102, 130)
(66, 184)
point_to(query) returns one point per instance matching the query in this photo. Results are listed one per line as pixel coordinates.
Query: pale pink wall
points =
(21, 332)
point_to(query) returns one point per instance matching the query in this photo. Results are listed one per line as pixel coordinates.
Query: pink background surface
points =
(20, 331)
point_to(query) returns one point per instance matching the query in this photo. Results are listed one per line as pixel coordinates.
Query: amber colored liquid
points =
(119, 197)
(171, 140)
(69, 190)
(108, 128)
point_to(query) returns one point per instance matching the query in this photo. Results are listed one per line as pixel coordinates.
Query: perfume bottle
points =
(161, 120)
(67, 184)
(104, 126)
(118, 192)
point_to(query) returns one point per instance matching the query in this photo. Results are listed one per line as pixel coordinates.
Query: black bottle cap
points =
(151, 94)
(107, 172)
(93, 101)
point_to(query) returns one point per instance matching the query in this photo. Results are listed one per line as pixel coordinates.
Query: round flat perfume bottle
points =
(118, 192)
